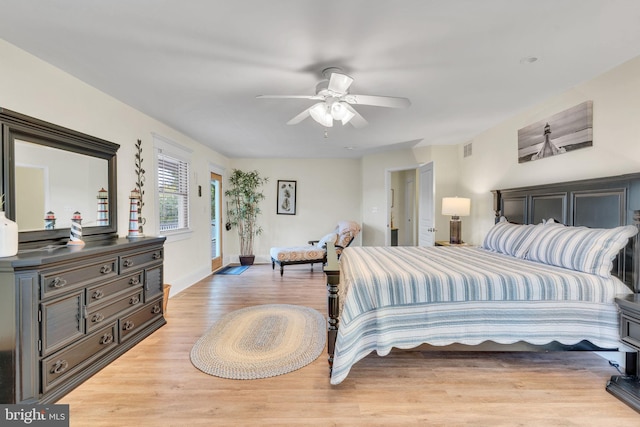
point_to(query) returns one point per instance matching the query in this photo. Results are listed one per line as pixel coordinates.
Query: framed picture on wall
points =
(286, 197)
(566, 131)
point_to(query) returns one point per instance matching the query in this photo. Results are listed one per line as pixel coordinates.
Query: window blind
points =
(173, 192)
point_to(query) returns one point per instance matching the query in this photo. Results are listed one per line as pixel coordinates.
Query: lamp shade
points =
(456, 206)
(321, 114)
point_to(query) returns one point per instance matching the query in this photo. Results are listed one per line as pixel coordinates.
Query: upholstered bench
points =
(315, 252)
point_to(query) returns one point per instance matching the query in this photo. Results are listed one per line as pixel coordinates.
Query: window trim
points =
(167, 147)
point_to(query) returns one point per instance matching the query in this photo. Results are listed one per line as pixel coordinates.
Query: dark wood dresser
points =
(65, 313)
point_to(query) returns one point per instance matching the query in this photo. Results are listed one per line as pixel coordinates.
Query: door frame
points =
(217, 262)
(387, 188)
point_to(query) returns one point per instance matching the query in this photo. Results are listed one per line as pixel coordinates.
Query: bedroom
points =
(36, 88)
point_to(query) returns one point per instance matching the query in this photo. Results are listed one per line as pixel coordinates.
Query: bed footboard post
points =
(332, 271)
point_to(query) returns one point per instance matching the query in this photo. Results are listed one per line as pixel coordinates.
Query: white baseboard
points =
(185, 282)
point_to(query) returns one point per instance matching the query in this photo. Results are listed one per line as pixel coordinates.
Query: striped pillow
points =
(590, 250)
(511, 239)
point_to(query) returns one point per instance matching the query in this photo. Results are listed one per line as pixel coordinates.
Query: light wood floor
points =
(154, 384)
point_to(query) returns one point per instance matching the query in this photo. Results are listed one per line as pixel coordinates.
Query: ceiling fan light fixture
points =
(348, 116)
(320, 113)
(338, 111)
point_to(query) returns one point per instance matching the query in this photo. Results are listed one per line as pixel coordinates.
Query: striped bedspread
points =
(406, 296)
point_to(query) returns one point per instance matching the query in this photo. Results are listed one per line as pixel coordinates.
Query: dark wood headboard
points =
(599, 202)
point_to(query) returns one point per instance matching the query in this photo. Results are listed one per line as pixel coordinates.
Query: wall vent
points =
(468, 150)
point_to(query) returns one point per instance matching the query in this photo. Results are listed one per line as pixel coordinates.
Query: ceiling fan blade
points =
(378, 101)
(290, 96)
(339, 83)
(300, 117)
(357, 120)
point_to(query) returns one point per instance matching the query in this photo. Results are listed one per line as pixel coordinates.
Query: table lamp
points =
(456, 207)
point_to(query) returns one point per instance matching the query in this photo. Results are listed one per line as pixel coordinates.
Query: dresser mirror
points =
(49, 173)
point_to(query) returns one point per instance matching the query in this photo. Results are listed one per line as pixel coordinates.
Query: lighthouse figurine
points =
(134, 199)
(75, 239)
(49, 221)
(103, 196)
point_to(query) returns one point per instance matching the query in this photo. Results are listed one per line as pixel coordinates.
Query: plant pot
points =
(247, 259)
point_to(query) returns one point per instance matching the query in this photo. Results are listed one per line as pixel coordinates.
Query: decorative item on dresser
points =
(139, 185)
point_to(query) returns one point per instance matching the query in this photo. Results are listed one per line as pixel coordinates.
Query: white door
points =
(216, 221)
(426, 206)
(409, 209)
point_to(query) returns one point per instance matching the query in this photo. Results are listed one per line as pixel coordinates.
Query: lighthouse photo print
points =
(566, 131)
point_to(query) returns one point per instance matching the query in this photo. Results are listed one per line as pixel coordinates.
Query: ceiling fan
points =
(335, 101)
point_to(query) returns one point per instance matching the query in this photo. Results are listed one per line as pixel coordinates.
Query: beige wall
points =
(616, 144)
(327, 191)
(375, 200)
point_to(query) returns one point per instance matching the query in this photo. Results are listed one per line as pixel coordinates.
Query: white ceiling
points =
(198, 65)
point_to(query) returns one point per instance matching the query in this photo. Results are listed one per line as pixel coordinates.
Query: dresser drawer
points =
(630, 330)
(135, 260)
(134, 322)
(57, 281)
(153, 283)
(58, 367)
(97, 294)
(62, 321)
(102, 314)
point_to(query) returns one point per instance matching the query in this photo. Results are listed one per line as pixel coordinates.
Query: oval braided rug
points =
(261, 341)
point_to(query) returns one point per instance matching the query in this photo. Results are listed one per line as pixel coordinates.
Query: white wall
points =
(375, 200)
(616, 144)
(327, 191)
(35, 88)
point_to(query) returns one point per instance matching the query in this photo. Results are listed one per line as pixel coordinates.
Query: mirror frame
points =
(16, 126)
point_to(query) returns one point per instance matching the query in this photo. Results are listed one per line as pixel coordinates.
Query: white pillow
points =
(511, 239)
(590, 250)
(331, 238)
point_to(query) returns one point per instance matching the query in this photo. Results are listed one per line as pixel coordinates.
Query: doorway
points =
(216, 221)
(411, 213)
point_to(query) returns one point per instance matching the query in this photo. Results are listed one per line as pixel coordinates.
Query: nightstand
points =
(446, 243)
(627, 387)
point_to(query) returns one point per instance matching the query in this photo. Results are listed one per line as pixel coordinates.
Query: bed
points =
(533, 280)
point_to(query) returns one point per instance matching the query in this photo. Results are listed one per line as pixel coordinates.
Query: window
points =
(173, 188)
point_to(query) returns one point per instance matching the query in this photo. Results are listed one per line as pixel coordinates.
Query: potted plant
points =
(243, 208)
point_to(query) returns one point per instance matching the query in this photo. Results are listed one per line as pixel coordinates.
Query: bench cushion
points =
(297, 253)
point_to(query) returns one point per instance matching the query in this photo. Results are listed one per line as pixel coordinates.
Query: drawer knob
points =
(106, 339)
(97, 318)
(128, 325)
(58, 282)
(134, 281)
(106, 269)
(134, 300)
(127, 263)
(98, 294)
(157, 255)
(59, 367)
(155, 309)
